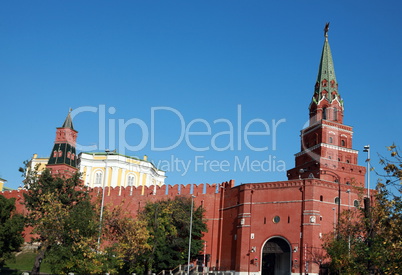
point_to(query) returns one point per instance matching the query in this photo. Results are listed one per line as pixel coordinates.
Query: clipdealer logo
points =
(237, 135)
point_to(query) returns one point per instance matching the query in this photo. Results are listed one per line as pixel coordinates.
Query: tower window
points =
(321, 198)
(335, 114)
(337, 200)
(324, 113)
(343, 143)
(356, 203)
(331, 139)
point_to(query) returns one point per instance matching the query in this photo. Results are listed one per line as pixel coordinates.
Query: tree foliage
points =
(79, 252)
(369, 239)
(168, 222)
(66, 225)
(127, 238)
(11, 227)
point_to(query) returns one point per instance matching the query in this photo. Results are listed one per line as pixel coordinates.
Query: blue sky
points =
(164, 69)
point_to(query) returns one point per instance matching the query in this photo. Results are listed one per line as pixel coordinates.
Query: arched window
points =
(337, 200)
(343, 143)
(98, 179)
(324, 113)
(331, 140)
(356, 203)
(321, 198)
(130, 180)
(335, 114)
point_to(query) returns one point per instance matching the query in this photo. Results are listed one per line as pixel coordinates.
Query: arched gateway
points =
(276, 257)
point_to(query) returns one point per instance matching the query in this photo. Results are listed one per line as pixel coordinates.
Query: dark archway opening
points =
(276, 257)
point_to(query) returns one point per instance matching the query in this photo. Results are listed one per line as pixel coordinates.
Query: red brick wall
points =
(240, 218)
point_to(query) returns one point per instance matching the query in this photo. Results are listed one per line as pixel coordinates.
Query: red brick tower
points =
(326, 144)
(63, 158)
(279, 227)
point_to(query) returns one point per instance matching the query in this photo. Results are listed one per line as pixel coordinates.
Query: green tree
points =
(369, 239)
(78, 252)
(11, 227)
(127, 238)
(168, 222)
(66, 223)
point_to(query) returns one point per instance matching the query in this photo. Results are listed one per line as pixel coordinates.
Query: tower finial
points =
(326, 29)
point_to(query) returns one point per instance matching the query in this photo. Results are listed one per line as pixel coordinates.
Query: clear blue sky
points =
(201, 61)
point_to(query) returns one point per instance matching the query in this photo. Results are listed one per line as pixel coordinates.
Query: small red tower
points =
(63, 158)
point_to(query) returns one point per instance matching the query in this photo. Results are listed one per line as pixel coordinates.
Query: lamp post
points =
(303, 201)
(367, 150)
(348, 191)
(333, 208)
(189, 237)
(103, 200)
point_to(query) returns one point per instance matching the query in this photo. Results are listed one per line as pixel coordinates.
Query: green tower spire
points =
(326, 86)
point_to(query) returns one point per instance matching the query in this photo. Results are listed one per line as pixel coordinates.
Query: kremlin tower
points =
(63, 158)
(326, 144)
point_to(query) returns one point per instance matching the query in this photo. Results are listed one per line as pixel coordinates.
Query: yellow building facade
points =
(2, 182)
(37, 164)
(110, 170)
(115, 170)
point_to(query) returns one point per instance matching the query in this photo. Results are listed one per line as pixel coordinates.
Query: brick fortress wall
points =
(134, 199)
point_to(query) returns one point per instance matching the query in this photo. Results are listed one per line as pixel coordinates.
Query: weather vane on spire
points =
(326, 29)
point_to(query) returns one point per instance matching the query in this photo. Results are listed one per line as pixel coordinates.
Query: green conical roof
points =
(326, 69)
(326, 84)
(68, 123)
